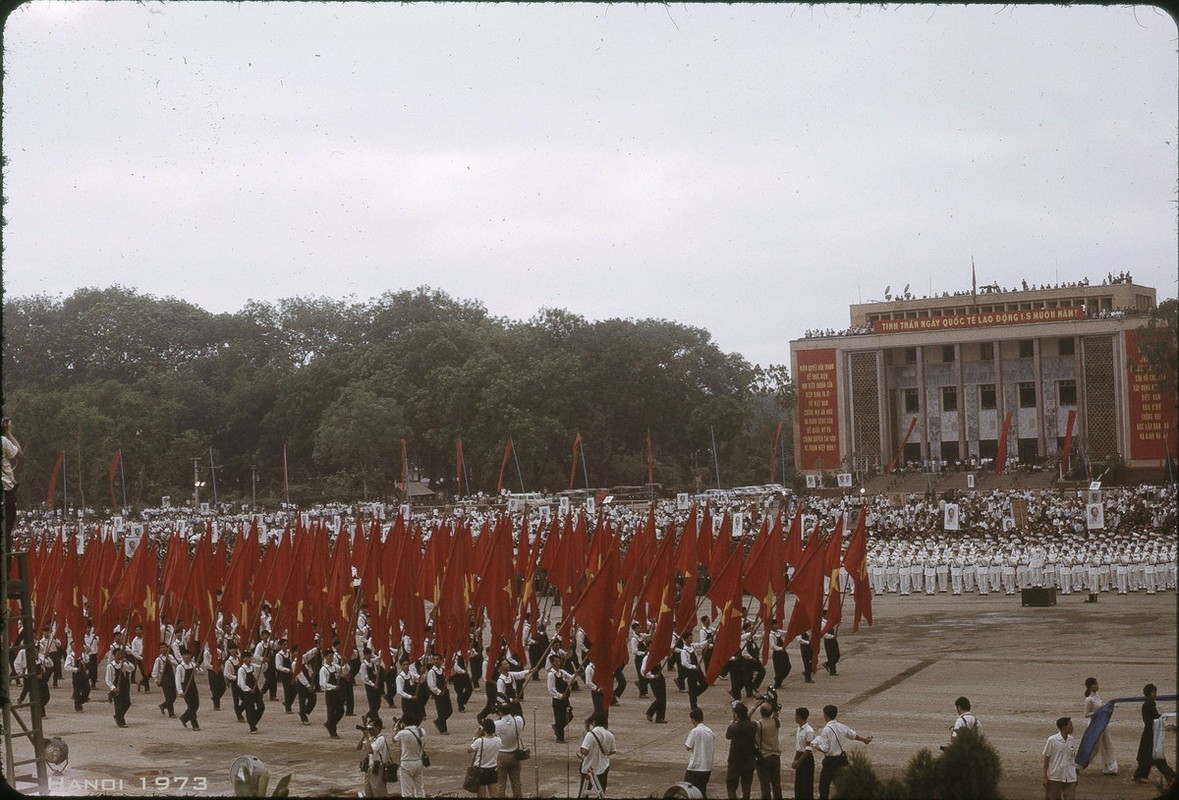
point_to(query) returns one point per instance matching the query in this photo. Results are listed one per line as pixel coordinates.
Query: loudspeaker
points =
(1039, 596)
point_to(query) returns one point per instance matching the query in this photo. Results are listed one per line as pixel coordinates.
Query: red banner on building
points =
(818, 409)
(1152, 420)
(979, 320)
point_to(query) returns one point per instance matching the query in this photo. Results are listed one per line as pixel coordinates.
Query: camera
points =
(770, 696)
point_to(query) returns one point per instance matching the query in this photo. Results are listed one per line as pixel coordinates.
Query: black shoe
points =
(196, 727)
(650, 717)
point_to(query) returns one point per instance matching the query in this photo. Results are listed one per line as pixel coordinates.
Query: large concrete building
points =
(937, 380)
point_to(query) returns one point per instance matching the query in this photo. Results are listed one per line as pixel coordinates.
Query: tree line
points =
(337, 385)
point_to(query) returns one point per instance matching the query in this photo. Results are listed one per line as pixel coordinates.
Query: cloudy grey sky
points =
(750, 170)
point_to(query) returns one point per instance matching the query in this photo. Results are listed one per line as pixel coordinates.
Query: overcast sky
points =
(751, 170)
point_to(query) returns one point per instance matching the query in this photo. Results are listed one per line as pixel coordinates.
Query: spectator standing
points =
(12, 454)
(804, 760)
(769, 751)
(742, 763)
(486, 747)
(509, 727)
(701, 746)
(597, 746)
(1060, 769)
(411, 776)
(832, 741)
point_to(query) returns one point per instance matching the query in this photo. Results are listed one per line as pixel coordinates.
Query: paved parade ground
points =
(1022, 667)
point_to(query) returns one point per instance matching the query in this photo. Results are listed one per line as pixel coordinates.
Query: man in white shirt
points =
(701, 747)
(333, 698)
(804, 760)
(12, 454)
(440, 693)
(965, 720)
(832, 742)
(1060, 768)
(596, 748)
(249, 683)
(559, 683)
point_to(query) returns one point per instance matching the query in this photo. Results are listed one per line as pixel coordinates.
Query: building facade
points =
(963, 380)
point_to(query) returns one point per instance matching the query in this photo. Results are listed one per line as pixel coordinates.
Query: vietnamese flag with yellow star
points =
(725, 594)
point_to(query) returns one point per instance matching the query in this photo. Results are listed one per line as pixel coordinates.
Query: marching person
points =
(832, 741)
(779, 655)
(1146, 759)
(76, 666)
(249, 683)
(460, 676)
(652, 671)
(436, 684)
(186, 687)
(559, 682)
(333, 696)
(370, 678)
(1104, 752)
(229, 669)
(306, 685)
(284, 674)
(163, 672)
(118, 685)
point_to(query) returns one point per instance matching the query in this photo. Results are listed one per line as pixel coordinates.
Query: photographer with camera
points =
(769, 751)
(377, 759)
(12, 454)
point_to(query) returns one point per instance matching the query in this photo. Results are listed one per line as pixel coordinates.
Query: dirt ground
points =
(1022, 667)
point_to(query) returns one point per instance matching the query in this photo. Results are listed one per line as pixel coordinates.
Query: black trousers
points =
(827, 772)
(306, 701)
(443, 708)
(739, 775)
(216, 687)
(122, 703)
(253, 707)
(462, 690)
(698, 779)
(642, 682)
(696, 685)
(373, 695)
(562, 710)
(333, 700)
(781, 662)
(658, 707)
(804, 778)
(192, 703)
(81, 692)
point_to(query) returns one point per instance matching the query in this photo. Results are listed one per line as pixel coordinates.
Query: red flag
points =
(833, 560)
(725, 594)
(1068, 441)
(499, 486)
(53, 479)
(855, 561)
(1001, 456)
(573, 470)
(807, 587)
(597, 612)
(895, 459)
(113, 469)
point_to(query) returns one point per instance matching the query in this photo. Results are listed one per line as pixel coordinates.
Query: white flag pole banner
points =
(683, 501)
(563, 506)
(811, 481)
(1095, 516)
(844, 480)
(970, 480)
(950, 519)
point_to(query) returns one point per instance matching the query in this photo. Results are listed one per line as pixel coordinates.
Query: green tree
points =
(1158, 344)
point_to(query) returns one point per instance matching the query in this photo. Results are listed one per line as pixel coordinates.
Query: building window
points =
(1068, 346)
(947, 353)
(1027, 348)
(986, 351)
(1066, 393)
(910, 355)
(949, 398)
(987, 399)
(911, 401)
(1027, 395)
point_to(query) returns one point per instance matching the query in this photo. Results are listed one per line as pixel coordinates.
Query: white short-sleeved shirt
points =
(7, 477)
(803, 737)
(412, 741)
(1061, 754)
(701, 743)
(598, 744)
(486, 750)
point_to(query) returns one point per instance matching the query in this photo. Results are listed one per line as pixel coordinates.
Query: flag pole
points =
(123, 477)
(213, 476)
(715, 461)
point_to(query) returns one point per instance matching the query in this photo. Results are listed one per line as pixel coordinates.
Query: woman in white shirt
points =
(1103, 755)
(486, 747)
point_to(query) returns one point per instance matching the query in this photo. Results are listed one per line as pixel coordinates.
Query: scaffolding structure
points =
(25, 765)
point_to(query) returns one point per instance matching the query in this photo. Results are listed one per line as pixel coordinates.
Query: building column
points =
(963, 453)
(922, 405)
